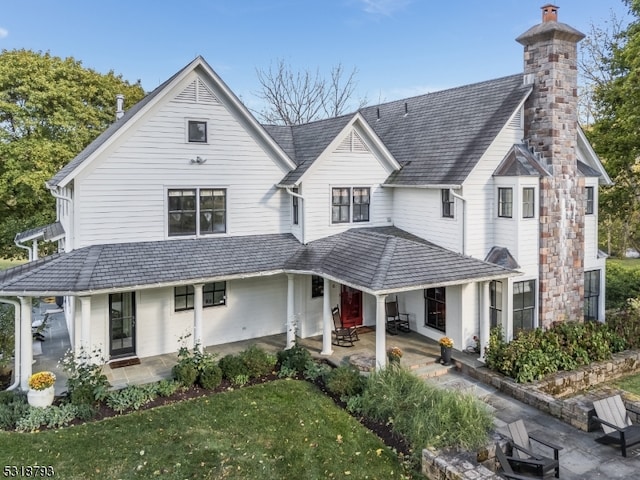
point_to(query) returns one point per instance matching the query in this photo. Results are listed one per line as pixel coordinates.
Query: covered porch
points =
(420, 354)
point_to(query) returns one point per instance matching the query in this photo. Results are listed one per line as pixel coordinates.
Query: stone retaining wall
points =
(578, 409)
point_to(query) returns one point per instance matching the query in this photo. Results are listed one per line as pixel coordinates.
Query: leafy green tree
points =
(614, 133)
(50, 109)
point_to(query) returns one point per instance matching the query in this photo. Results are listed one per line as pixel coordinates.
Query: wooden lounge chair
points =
(396, 321)
(344, 336)
(507, 471)
(525, 458)
(618, 429)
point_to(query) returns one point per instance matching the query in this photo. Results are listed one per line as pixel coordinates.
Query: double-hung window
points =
(350, 204)
(447, 203)
(295, 207)
(317, 286)
(528, 202)
(524, 304)
(591, 294)
(213, 294)
(495, 308)
(589, 210)
(197, 211)
(505, 202)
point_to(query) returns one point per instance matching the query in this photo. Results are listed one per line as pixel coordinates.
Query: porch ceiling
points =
(375, 260)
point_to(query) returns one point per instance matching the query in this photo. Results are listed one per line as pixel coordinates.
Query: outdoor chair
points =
(38, 327)
(344, 336)
(525, 459)
(614, 420)
(506, 470)
(396, 321)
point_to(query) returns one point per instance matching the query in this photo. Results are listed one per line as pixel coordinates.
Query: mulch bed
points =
(383, 431)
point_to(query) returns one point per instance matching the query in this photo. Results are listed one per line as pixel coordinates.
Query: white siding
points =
(344, 170)
(122, 196)
(255, 307)
(419, 211)
(591, 229)
(480, 191)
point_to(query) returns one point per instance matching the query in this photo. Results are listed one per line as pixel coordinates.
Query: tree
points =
(302, 97)
(50, 109)
(614, 133)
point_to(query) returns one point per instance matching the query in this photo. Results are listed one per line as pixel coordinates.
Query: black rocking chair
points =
(344, 336)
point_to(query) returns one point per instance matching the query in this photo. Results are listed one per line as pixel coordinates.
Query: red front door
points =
(351, 306)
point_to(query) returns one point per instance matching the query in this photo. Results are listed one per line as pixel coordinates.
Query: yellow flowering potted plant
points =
(446, 345)
(394, 355)
(41, 389)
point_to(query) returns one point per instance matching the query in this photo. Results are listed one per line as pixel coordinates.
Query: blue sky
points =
(399, 47)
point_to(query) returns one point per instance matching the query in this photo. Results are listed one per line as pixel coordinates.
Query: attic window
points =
(197, 131)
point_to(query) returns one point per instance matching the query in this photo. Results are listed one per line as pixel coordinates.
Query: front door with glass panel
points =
(122, 324)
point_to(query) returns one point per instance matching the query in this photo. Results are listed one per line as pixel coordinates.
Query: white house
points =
(474, 206)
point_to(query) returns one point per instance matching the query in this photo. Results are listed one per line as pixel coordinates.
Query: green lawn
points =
(4, 263)
(625, 262)
(630, 384)
(278, 430)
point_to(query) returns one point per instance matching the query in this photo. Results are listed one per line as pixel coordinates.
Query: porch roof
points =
(376, 260)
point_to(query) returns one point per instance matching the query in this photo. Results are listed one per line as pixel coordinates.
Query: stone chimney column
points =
(551, 124)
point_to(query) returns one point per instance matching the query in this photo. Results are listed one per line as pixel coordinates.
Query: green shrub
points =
(52, 416)
(132, 397)
(623, 283)
(314, 370)
(185, 374)
(240, 380)
(210, 377)
(232, 366)
(345, 380)
(166, 388)
(534, 354)
(294, 358)
(423, 414)
(86, 384)
(626, 323)
(12, 407)
(258, 362)
(191, 364)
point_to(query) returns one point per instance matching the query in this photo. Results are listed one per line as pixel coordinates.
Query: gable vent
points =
(352, 143)
(197, 92)
(516, 121)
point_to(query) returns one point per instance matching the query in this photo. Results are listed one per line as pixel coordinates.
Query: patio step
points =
(432, 369)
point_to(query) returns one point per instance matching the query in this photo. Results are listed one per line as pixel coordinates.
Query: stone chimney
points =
(119, 106)
(551, 123)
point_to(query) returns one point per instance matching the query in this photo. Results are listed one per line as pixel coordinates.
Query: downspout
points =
(28, 249)
(302, 216)
(17, 341)
(464, 220)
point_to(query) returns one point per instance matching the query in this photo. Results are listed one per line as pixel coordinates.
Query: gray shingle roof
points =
(519, 161)
(305, 143)
(437, 138)
(587, 171)
(373, 259)
(45, 232)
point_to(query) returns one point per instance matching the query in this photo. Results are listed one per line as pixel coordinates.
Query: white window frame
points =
(351, 189)
(187, 121)
(197, 189)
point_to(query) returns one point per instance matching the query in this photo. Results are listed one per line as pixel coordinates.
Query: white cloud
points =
(3, 32)
(384, 7)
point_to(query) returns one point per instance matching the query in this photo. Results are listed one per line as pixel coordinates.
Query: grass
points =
(629, 384)
(633, 263)
(281, 429)
(4, 263)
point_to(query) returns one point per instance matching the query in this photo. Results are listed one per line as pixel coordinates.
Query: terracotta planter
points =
(41, 398)
(445, 355)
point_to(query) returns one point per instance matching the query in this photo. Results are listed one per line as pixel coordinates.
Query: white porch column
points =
(381, 334)
(291, 320)
(35, 249)
(197, 316)
(26, 343)
(485, 319)
(76, 340)
(85, 323)
(326, 319)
